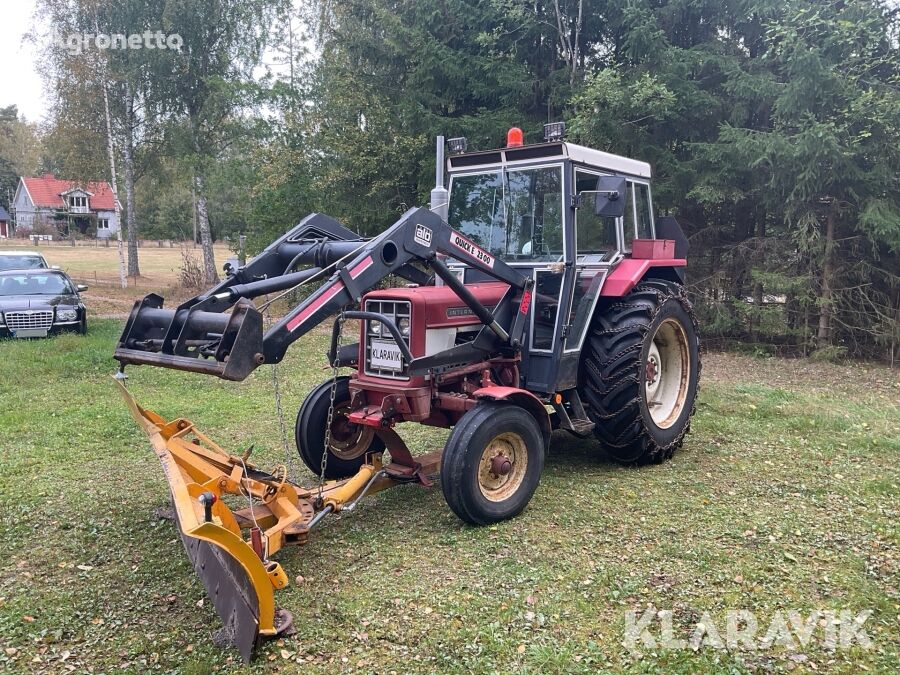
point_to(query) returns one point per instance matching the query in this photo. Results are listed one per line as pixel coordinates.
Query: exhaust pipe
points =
(440, 197)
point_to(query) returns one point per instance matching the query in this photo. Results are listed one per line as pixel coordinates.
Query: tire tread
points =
(611, 385)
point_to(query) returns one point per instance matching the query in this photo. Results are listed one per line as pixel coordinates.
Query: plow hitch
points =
(218, 497)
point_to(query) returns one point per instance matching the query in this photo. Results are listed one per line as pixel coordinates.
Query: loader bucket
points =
(174, 338)
(240, 585)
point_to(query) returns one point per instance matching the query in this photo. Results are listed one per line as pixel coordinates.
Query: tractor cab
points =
(566, 215)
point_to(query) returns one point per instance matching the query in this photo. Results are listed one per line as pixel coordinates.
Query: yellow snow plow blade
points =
(237, 570)
(240, 583)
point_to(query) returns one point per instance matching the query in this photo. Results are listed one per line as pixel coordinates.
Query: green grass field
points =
(784, 497)
(98, 267)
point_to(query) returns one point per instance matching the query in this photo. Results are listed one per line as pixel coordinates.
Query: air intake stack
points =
(439, 196)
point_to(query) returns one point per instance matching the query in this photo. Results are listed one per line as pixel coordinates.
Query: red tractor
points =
(541, 293)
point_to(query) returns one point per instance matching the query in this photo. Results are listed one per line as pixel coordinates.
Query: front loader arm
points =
(419, 235)
(234, 345)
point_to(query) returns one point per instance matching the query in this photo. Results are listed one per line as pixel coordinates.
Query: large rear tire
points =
(350, 443)
(641, 372)
(492, 463)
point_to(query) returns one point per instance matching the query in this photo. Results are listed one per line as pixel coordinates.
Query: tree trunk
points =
(209, 261)
(128, 158)
(570, 39)
(194, 213)
(826, 294)
(758, 291)
(110, 149)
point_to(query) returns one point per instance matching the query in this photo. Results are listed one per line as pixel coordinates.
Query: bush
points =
(191, 273)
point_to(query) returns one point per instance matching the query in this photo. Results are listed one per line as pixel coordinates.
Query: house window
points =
(76, 201)
(103, 223)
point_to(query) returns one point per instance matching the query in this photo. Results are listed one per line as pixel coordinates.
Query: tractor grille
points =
(393, 310)
(41, 319)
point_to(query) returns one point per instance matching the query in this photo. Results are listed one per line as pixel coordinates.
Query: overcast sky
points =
(19, 82)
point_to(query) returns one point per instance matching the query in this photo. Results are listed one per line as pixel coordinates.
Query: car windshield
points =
(516, 214)
(34, 284)
(21, 261)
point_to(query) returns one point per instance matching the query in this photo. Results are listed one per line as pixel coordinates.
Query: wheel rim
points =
(667, 373)
(348, 440)
(502, 468)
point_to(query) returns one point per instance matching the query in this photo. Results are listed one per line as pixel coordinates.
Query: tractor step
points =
(581, 426)
(571, 414)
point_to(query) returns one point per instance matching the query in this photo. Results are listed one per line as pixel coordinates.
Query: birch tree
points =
(223, 42)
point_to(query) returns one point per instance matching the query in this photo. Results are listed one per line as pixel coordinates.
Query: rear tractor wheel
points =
(641, 372)
(349, 443)
(492, 463)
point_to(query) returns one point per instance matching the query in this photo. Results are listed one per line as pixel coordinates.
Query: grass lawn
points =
(784, 497)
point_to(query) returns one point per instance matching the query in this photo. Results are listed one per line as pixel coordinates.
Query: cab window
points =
(644, 212)
(516, 214)
(629, 224)
(595, 236)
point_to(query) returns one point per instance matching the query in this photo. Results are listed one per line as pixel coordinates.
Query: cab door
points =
(599, 243)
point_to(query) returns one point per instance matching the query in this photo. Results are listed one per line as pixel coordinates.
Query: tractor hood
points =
(439, 306)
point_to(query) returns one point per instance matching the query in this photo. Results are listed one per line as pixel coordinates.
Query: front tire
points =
(641, 372)
(350, 443)
(492, 463)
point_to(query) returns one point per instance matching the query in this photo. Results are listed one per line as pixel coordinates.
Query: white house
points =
(65, 206)
(4, 223)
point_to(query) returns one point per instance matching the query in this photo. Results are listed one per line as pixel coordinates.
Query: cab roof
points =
(580, 154)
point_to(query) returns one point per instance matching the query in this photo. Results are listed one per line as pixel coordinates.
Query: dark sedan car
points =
(35, 303)
(22, 260)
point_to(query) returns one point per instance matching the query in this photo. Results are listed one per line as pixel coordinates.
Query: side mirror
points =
(610, 201)
(81, 288)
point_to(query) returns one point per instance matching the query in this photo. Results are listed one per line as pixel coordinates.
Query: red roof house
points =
(47, 201)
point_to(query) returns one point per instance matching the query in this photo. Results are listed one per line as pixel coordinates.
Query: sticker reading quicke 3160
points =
(471, 249)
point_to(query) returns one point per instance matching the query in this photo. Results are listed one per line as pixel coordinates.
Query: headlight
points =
(66, 314)
(403, 325)
(375, 327)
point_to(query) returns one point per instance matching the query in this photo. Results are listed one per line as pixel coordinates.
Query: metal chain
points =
(279, 408)
(280, 412)
(334, 379)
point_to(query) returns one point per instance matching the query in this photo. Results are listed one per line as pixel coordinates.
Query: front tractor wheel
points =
(641, 370)
(492, 463)
(349, 444)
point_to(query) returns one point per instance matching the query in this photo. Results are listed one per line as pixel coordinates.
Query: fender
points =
(520, 397)
(629, 273)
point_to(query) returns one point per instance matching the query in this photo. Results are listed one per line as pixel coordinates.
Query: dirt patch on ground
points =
(803, 375)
